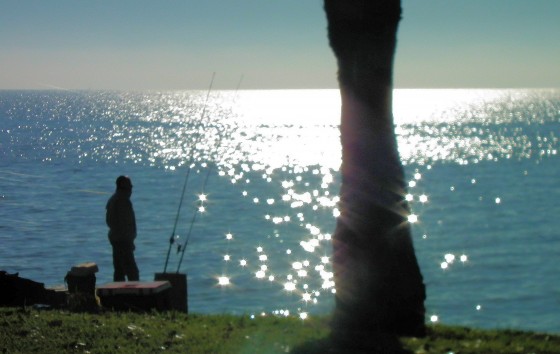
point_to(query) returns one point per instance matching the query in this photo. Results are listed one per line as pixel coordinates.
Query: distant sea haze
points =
(482, 171)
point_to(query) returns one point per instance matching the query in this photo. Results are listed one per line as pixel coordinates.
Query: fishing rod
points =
(193, 220)
(172, 238)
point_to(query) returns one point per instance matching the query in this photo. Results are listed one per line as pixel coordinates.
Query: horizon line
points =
(274, 89)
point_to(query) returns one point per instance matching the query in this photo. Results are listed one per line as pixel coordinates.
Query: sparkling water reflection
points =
(261, 240)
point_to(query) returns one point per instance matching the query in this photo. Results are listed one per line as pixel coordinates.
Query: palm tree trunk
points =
(379, 286)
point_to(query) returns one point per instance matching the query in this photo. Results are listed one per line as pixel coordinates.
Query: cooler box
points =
(135, 295)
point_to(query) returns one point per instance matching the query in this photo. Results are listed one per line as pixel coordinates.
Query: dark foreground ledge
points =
(28, 330)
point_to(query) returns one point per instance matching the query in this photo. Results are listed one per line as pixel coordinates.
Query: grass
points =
(25, 330)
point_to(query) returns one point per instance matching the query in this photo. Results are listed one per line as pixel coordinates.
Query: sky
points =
(267, 44)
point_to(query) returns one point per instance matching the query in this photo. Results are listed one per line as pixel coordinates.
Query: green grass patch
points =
(57, 331)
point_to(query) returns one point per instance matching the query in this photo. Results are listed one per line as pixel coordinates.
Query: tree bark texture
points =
(379, 286)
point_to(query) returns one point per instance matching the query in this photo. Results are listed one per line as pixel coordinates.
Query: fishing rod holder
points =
(178, 295)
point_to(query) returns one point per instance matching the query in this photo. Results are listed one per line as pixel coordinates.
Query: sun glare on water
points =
(289, 143)
(264, 223)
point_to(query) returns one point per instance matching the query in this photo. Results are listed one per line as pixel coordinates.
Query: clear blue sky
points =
(178, 44)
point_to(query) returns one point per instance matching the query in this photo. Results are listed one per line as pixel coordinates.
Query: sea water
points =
(262, 181)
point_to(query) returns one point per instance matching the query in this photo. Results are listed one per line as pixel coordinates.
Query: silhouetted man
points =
(122, 231)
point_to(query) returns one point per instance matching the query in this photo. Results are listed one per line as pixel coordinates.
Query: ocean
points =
(261, 170)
